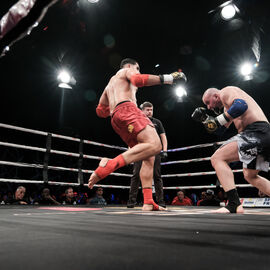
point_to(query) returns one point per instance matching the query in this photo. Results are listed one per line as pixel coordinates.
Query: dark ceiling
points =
(91, 39)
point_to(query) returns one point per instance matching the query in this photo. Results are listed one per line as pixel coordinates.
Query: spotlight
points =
(65, 79)
(246, 69)
(228, 12)
(180, 91)
(92, 1)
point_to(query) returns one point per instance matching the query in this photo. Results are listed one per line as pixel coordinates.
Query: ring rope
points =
(40, 166)
(44, 150)
(60, 136)
(186, 161)
(194, 146)
(195, 174)
(207, 186)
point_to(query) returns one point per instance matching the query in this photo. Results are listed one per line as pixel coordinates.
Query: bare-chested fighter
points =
(251, 145)
(118, 100)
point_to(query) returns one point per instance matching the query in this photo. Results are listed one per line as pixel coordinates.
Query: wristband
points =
(166, 79)
(222, 119)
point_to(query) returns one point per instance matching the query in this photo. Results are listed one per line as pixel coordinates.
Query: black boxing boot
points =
(233, 200)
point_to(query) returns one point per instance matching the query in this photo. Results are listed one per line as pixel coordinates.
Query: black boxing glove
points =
(172, 78)
(199, 114)
(213, 123)
(164, 155)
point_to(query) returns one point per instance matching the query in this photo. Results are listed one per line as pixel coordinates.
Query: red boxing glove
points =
(139, 80)
(103, 111)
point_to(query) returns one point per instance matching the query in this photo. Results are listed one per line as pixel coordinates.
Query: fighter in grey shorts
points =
(254, 146)
(251, 145)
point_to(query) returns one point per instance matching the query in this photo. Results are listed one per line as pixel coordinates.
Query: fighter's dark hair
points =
(128, 61)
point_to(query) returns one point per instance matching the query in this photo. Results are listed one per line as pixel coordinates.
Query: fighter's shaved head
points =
(210, 92)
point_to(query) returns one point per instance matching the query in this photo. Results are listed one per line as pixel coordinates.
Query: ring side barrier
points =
(61, 136)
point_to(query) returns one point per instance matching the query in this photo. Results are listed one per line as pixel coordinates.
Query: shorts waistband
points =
(257, 123)
(121, 103)
(118, 105)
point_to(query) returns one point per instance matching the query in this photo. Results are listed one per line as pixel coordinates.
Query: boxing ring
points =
(83, 237)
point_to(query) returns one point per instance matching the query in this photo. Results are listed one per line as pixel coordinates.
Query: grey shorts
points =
(254, 146)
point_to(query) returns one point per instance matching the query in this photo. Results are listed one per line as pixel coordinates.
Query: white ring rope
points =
(186, 161)
(60, 136)
(195, 174)
(40, 166)
(44, 150)
(194, 146)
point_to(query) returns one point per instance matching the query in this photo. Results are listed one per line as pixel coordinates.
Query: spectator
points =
(18, 197)
(46, 198)
(181, 199)
(7, 196)
(82, 196)
(210, 199)
(69, 197)
(194, 198)
(98, 198)
(114, 199)
(203, 196)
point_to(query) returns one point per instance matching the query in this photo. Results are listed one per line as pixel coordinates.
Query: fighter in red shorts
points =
(118, 100)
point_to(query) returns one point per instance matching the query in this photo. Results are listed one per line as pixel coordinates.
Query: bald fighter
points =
(251, 145)
(118, 100)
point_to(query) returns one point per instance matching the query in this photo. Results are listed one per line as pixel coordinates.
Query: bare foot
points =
(150, 207)
(224, 210)
(94, 178)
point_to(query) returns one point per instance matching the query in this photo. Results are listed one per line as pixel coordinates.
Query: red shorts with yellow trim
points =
(127, 121)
